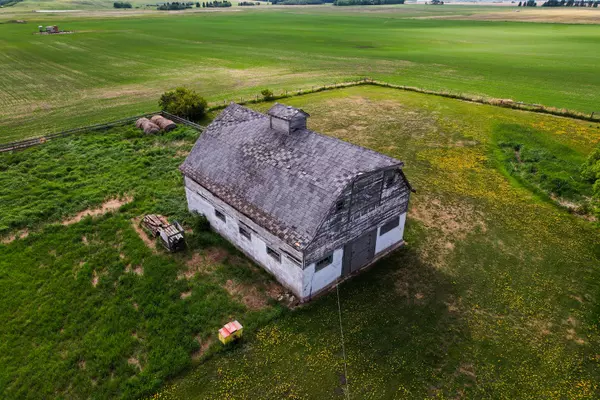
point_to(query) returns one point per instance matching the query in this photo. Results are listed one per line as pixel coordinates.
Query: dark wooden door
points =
(359, 252)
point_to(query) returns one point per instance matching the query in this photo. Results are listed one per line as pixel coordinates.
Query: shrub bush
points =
(590, 170)
(121, 4)
(267, 94)
(183, 102)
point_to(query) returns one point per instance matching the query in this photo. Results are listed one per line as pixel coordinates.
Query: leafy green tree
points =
(267, 94)
(183, 102)
(121, 4)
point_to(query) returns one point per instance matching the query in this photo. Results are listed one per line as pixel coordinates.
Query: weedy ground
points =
(91, 306)
(118, 65)
(495, 294)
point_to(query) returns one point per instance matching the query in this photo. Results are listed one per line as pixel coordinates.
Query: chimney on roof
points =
(287, 119)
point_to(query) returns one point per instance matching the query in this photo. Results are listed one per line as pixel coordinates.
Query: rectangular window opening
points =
(388, 226)
(245, 233)
(324, 262)
(294, 259)
(390, 178)
(339, 206)
(220, 215)
(274, 254)
(291, 258)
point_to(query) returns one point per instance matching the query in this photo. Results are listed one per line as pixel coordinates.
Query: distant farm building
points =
(309, 208)
(49, 29)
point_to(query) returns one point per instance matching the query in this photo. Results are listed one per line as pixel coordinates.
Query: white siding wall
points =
(303, 283)
(315, 281)
(280, 125)
(298, 123)
(287, 271)
(390, 238)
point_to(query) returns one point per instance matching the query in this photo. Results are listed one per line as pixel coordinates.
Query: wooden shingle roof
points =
(285, 112)
(286, 183)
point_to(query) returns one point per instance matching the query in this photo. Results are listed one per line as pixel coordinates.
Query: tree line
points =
(562, 3)
(211, 4)
(299, 2)
(121, 4)
(175, 6)
(8, 3)
(338, 2)
(365, 2)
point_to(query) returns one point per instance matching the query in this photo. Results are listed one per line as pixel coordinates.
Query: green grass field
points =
(89, 309)
(494, 296)
(115, 66)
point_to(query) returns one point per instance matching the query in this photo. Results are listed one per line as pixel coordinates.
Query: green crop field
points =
(117, 64)
(494, 296)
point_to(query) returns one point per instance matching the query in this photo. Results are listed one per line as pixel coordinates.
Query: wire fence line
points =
(23, 144)
(184, 121)
(26, 143)
(505, 103)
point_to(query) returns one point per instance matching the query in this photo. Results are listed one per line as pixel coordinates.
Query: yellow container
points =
(230, 332)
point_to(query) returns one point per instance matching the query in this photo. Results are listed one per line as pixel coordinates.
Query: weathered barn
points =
(307, 207)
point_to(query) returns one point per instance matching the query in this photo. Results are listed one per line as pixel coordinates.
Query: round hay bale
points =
(164, 124)
(139, 122)
(147, 126)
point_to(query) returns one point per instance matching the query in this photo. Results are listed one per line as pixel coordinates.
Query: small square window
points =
(339, 206)
(274, 254)
(324, 262)
(220, 215)
(245, 233)
(388, 226)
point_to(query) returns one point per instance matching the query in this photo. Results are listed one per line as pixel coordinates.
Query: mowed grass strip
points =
(495, 294)
(115, 67)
